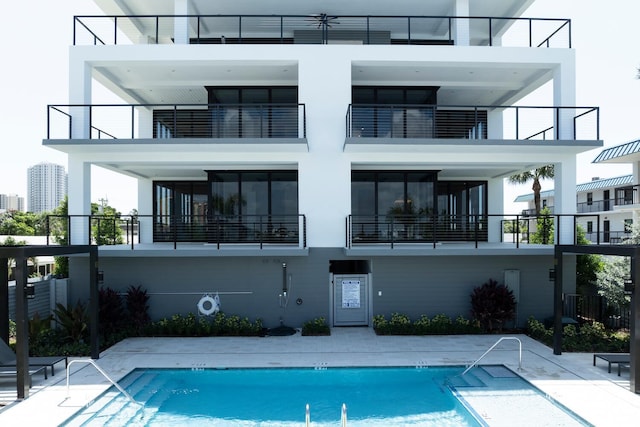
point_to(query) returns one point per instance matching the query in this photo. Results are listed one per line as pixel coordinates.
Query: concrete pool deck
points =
(599, 397)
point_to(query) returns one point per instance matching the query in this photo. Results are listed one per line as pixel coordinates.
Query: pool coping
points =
(570, 379)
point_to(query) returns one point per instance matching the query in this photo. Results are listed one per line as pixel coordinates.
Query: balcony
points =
(470, 122)
(162, 121)
(251, 231)
(626, 199)
(321, 29)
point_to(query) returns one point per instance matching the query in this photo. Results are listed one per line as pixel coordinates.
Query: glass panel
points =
(420, 187)
(284, 193)
(225, 194)
(284, 206)
(255, 193)
(200, 202)
(164, 195)
(363, 198)
(363, 205)
(391, 204)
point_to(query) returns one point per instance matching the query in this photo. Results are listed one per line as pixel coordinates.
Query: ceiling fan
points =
(323, 20)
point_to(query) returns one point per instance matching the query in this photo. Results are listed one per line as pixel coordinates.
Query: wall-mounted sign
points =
(351, 294)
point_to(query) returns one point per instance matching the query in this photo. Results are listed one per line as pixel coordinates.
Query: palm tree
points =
(544, 172)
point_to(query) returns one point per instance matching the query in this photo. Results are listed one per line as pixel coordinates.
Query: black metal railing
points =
(628, 198)
(390, 229)
(472, 122)
(117, 121)
(532, 212)
(224, 229)
(363, 229)
(321, 29)
(596, 308)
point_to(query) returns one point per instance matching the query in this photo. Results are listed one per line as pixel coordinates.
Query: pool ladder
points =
(343, 416)
(104, 374)
(492, 347)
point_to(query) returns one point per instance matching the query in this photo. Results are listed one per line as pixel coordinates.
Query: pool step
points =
(115, 409)
(467, 380)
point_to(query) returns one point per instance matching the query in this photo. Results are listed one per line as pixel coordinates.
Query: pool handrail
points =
(492, 347)
(104, 374)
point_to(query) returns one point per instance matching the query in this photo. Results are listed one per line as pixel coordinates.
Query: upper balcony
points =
(322, 28)
(222, 123)
(380, 124)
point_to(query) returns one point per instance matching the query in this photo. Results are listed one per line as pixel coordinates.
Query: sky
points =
(35, 45)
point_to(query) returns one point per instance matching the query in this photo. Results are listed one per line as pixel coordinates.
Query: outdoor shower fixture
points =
(283, 299)
(284, 296)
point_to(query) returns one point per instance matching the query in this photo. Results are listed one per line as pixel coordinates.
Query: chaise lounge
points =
(613, 358)
(8, 361)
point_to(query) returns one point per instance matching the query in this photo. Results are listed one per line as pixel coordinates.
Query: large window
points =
(413, 205)
(233, 206)
(233, 112)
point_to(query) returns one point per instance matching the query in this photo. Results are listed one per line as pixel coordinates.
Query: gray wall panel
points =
(409, 285)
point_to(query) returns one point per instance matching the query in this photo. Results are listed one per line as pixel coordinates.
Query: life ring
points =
(213, 303)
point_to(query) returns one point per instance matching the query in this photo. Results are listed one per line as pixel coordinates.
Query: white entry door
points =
(350, 300)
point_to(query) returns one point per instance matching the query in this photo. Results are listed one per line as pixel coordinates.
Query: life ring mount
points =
(208, 305)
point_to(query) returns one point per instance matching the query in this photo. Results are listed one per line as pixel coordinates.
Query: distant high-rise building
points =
(46, 187)
(11, 202)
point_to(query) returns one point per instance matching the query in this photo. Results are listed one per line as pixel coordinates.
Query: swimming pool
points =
(278, 397)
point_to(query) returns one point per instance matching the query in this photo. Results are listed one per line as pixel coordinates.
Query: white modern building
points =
(607, 207)
(11, 202)
(46, 187)
(321, 157)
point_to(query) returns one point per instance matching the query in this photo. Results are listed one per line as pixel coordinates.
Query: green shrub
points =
(73, 322)
(590, 337)
(316, 327)
(400, 324)
(195, 326)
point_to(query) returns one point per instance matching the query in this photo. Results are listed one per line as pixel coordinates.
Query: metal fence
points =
(596, 308)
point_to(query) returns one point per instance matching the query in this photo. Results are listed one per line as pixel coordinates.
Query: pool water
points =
(278, 397)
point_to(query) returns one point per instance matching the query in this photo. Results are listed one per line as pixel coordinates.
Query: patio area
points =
(599, 397)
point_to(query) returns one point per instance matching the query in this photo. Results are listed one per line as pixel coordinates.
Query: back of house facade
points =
(321, 158)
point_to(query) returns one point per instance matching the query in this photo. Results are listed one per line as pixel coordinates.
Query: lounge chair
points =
(613, 358)
(8, 360)
(8, 372)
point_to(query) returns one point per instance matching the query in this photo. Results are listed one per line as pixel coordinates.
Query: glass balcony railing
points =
(321, 29)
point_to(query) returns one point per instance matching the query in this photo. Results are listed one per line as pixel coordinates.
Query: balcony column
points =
(79, 94)
(325, 176)
(145, 210)
(564, 94)
(145, 122)
(79, 202)
(495, 124)
(565, 199)
(495, 190)
(460, 27)
(180, 23)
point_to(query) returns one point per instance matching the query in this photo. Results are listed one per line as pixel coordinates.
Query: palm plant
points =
(544, 172)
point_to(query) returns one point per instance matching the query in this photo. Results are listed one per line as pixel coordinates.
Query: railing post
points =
(115, 30)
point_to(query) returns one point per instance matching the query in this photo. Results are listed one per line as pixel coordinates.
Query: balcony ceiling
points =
(184, 82)
(510, 8)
